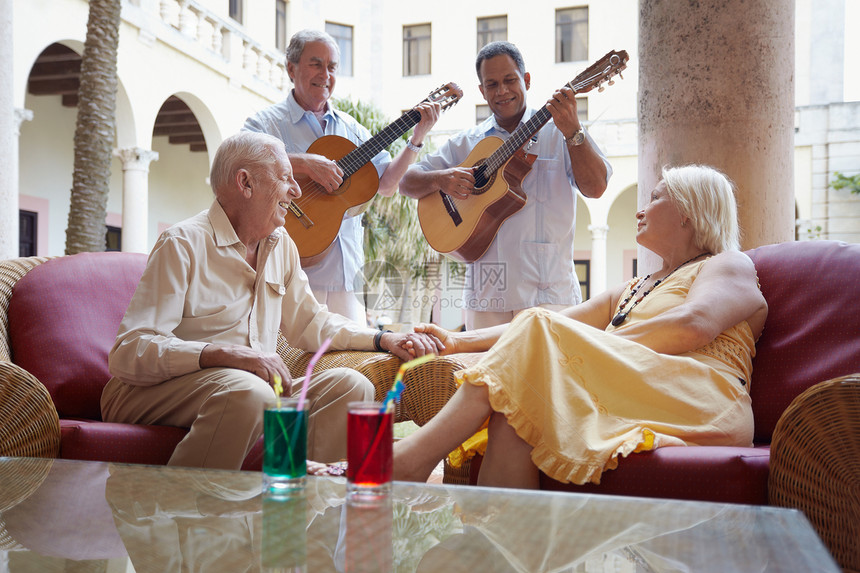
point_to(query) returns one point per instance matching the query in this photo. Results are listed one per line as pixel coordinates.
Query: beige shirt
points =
(198, 289)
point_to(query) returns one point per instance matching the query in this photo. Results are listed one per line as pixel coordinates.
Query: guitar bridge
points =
(451, 209)
(300, 215)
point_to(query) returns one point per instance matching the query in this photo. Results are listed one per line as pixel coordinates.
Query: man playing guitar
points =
(530, 261)
(305, 116)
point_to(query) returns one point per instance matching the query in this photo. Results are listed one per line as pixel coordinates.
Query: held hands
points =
(448, 341)
(562, 108)
(430, 112)
(411, 345)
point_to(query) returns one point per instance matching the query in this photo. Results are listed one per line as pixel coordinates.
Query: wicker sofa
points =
(58, 320)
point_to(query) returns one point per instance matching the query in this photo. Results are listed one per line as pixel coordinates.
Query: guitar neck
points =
(517, 139)
(361, 155)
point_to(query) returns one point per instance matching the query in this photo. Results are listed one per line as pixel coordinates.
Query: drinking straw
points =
(278, 387)
(311, 364)
(391, 397)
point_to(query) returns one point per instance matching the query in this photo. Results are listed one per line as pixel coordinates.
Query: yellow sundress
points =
(581, 396)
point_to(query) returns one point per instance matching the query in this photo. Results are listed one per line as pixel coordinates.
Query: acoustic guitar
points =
(464, 228)
(314, 219)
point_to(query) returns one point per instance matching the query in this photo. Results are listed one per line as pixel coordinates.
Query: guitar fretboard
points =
(358, 157)
(515, 141)
(602, 70)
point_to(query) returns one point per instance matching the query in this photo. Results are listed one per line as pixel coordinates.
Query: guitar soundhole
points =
(482, 181)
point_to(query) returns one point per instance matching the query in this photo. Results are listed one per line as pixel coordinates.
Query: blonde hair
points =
(244, 150)
(706, 197)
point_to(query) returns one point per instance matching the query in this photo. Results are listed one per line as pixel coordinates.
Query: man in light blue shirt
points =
(305, 116)
(530, 261)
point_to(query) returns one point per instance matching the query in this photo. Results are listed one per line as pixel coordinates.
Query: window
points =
(236, 10)
(583, 275)
(582, 108)
(571, 34)
(28, 224)
(113, 238)
(343, 36)
(281, 25)
(482, 112)
(416, 50)
(492, 29)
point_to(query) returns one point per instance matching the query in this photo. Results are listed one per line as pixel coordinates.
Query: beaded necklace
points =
(622, 313)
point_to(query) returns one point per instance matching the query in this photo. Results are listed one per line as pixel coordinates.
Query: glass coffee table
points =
(62, 515)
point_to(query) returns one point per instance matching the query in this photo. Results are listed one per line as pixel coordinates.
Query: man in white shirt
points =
(530, 261)
(301, 119)
(197, 345)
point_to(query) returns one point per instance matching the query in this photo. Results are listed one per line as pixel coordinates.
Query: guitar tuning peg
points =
(601, 88)
(612, 82)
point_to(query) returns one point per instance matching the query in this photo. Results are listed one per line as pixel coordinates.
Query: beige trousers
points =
(223, 407)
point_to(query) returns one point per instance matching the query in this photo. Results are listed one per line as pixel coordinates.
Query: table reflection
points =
(111, 517)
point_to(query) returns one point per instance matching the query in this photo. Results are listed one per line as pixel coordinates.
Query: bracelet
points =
(377, 337)
(412, 147)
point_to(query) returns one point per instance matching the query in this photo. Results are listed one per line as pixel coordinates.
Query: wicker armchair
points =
(815, 464)
(29, 425)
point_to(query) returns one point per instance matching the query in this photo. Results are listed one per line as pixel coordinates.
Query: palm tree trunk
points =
(95, 129)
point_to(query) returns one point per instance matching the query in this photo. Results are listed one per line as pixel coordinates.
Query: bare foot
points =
(321, 469)
(316, 468)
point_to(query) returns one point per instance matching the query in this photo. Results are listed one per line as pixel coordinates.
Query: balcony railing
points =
(219, 43)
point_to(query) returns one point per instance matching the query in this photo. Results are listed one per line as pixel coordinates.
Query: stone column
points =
(8, 140)
(135, 197)
(716, 86)
(598, 258)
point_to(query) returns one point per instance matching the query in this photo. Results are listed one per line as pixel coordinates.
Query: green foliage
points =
(840, 181)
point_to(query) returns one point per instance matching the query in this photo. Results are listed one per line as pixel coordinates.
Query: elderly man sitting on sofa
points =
(197, 345)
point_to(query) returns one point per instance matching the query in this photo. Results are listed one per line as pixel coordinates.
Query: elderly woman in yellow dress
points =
(661, 360)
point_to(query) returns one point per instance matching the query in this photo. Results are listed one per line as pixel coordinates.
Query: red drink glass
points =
(369, 441)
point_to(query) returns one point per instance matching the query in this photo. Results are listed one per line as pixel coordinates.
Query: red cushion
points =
(121, 443)
(812, 333)
(130, 443)
(63, 319)
(704, 473)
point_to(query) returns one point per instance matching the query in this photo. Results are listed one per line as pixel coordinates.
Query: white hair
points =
(706, 197)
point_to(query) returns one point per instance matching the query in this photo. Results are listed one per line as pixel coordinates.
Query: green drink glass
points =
(285, 447)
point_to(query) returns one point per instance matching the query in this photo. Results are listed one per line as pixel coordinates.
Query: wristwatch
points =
(412, 147)
(577, 138)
